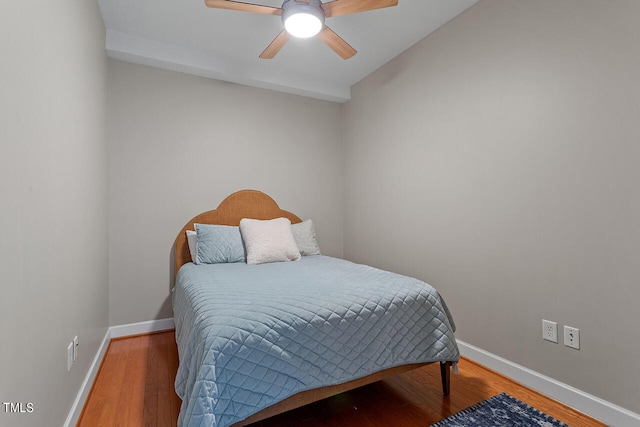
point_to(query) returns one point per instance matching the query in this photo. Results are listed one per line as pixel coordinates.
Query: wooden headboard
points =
(242, 204)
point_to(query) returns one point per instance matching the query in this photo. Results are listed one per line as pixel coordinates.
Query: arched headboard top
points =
(241, 204)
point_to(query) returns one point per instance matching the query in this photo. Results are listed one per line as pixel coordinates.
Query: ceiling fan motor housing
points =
(302, 8)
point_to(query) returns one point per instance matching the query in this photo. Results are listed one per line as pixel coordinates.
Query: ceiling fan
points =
(305, 18)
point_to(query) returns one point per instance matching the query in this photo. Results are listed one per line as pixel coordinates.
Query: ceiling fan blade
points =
(345, 7)
(335, 42)
(275, 45)
(245, 7)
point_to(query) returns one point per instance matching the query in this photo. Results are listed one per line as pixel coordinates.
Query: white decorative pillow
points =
(192, 241)
(305, 235)
(268, 240)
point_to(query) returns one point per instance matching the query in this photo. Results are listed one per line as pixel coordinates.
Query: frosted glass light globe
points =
(302, 19)
(303, 25)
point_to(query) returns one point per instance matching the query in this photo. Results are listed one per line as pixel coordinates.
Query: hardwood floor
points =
(134, 387)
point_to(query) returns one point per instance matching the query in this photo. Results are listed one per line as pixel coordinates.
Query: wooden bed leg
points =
(445, 373)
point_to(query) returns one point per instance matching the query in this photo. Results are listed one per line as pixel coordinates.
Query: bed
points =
(255, 340)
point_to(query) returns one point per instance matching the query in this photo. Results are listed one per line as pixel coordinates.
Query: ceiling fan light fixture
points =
(303, 25)
(301, 18)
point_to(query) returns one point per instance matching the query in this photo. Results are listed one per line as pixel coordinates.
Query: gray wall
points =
(179, 144)
(53, 202)
(498, 160)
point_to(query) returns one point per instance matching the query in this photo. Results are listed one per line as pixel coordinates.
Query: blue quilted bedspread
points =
(250, 336)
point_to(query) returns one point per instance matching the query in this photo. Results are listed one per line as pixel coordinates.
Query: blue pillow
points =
(218, 244)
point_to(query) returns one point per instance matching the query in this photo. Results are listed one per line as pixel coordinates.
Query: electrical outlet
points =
(69, 356)
(550, 330)
(572, 337)
(75, 348)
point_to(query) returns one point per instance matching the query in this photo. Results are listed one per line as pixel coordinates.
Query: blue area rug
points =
(500, 411)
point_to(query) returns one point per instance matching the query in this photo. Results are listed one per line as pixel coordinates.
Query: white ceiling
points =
(187, 36)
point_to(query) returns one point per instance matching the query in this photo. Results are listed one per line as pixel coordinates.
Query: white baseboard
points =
(593, 406)
(141, 327)
(112, 332)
